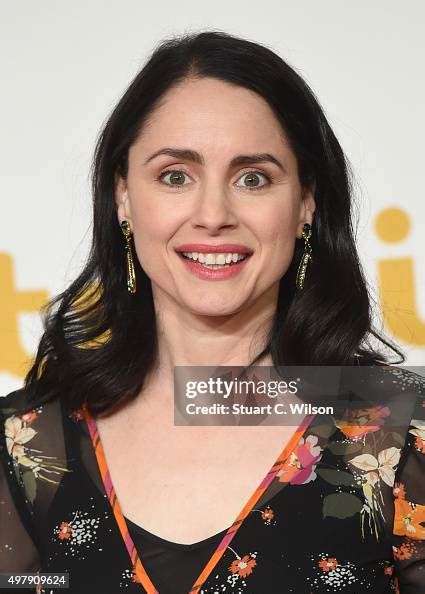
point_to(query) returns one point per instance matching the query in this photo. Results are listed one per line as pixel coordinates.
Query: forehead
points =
(213, 113)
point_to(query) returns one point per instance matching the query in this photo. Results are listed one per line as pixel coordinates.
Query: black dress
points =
(163, 558)
(341, 510)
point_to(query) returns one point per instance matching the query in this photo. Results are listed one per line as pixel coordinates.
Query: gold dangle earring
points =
(131, 275)
(306, 257)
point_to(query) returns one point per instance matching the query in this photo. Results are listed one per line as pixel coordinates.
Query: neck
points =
(186, 338)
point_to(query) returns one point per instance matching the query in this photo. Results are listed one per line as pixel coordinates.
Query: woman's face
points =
(210, 195)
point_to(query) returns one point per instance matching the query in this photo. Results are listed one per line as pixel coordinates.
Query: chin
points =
(214, 309)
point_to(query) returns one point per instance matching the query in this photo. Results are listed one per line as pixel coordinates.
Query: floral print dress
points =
(341, 510)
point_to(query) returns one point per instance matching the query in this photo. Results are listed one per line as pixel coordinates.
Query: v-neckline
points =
(140, 574)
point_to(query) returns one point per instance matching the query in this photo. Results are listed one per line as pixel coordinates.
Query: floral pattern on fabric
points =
(30, 463)
(300, 468)
(346, 512)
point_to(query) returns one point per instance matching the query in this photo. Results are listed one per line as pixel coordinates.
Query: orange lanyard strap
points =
(139, 573)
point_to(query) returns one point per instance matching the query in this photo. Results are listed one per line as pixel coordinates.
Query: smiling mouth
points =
(215, 261)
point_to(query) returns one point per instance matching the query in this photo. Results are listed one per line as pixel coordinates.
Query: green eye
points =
(176, 179)
(175, 176)
(252, 180)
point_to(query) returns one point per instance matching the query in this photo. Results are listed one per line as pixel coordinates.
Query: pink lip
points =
(210, 249)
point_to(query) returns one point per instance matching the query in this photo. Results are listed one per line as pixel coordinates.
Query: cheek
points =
(282, 250)
(153, 227)
(277, 239)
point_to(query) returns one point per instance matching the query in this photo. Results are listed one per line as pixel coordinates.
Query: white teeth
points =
(213, 259)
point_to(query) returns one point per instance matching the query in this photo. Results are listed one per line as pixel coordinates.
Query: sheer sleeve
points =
(18, 551)
(409, 507)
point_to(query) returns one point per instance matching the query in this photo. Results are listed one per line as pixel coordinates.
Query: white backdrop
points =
(64, 65)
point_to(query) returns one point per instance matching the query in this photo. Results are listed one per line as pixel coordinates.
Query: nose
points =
(213, 210)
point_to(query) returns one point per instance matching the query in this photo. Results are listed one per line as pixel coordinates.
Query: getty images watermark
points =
(253, 396)
(284, 395)
(272, 389)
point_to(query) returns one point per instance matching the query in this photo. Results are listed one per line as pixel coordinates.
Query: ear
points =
(307, 208)
(122, 201)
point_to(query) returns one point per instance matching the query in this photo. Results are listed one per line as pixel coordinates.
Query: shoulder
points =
(407, 387)
(21, 418)
(404, 387)
(14, 403)
(16, 413)
(407, 378)
(401, 389)
(25, 399)
(408, 402)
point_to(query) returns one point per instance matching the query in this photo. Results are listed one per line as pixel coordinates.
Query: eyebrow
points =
(190, 155)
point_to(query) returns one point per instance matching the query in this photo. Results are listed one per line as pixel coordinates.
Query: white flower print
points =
(384, 465)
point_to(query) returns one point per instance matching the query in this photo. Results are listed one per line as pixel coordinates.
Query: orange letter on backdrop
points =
(13, 358)
(396, 278)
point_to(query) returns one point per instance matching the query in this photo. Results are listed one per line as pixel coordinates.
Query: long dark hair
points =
(100, 341)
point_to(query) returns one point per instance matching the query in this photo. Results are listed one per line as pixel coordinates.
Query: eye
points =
(176, 177)
(252, 180)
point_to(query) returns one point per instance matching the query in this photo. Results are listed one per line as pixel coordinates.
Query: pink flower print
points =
(29, 416)
(77, 415)
(300, 467)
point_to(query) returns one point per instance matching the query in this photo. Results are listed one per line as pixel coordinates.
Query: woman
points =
(222, 236)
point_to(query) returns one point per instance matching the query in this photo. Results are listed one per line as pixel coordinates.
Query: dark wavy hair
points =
(100, 341)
